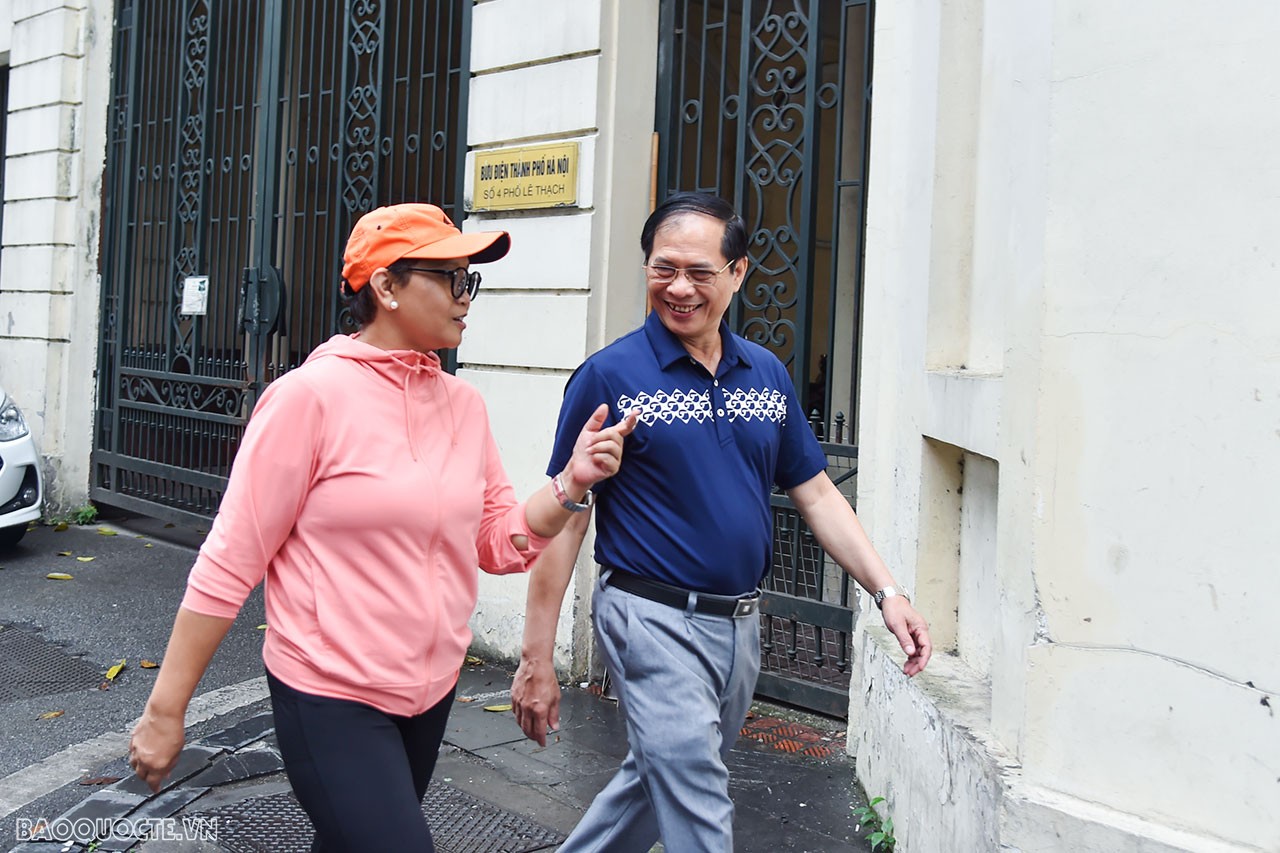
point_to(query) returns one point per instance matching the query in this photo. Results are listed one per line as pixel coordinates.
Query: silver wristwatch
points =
(562, 495)
(888, 592)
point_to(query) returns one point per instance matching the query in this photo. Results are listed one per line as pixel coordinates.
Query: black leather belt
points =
(674, 596)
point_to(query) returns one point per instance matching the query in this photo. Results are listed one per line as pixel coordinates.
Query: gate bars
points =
(767, 103)
(244, 140)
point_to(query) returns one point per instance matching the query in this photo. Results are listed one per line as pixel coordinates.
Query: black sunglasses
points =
(461, 280)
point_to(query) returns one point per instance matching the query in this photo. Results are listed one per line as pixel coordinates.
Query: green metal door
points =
(245, 138)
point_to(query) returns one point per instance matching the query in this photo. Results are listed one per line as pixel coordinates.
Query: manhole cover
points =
(460, 823)
(31, 667)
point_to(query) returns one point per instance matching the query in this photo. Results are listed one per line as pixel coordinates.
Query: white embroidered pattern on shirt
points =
(695, 406)
(668, 406)
(767, 405)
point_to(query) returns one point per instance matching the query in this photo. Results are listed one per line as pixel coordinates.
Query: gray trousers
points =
(685, 682)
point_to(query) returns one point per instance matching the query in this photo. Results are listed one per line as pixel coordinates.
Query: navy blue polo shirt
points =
(690, 505)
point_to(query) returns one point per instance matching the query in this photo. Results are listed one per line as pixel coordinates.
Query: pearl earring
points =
(394, 305)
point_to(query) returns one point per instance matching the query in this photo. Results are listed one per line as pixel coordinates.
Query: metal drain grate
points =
(460, 823)
(31, 667)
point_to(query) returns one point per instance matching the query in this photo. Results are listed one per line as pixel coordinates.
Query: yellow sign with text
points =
(524, 178)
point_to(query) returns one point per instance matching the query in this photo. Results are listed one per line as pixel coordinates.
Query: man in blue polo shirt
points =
(683, 539)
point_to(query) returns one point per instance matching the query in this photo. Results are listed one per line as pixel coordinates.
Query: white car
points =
(21, 491)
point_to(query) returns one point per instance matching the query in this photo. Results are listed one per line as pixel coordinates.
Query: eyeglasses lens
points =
(465, 282)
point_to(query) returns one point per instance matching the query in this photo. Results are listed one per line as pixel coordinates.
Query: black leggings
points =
(359, 773)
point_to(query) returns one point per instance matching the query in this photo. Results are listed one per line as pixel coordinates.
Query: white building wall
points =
(556, 71)
(1072, 428)
(59, 57)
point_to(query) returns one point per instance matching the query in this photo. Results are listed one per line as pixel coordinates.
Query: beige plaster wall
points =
(1102, 335)
(59, 58)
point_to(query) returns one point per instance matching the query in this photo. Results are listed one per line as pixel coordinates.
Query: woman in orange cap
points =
(366, 491)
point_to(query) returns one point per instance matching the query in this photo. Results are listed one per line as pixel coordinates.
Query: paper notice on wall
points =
(195, 294)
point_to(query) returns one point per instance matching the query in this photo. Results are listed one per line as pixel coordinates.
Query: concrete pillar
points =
(56, 142)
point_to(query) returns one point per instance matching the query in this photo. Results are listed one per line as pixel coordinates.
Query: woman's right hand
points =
(597, 454)
(154, 748)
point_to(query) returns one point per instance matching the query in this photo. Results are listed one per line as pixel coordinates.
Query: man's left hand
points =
(911, 630)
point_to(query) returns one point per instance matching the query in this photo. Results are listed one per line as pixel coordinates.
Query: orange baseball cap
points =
(384, 235)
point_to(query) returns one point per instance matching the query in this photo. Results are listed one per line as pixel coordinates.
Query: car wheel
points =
(10, 536)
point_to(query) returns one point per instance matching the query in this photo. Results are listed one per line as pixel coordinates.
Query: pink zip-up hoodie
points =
(366, 492)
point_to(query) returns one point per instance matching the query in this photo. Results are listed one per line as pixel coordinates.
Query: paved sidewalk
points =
(494, 790)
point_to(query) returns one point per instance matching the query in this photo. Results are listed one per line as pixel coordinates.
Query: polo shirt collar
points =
(668, 349)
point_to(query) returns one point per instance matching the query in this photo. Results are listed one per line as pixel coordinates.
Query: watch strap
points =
(888, 592)
(558, 489)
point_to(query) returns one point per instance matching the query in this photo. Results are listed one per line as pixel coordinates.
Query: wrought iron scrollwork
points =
(188, 395)
(775, 167)
(360, 135)
(189, 172)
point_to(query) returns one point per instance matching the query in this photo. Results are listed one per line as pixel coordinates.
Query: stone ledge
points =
(926, 746)
(1034, 818)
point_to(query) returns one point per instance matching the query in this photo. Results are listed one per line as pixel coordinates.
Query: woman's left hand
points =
(597, 454)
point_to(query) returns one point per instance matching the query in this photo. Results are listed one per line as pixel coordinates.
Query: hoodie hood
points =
(410, 371)
(392, 364)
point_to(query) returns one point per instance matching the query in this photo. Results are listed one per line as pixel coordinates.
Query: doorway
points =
(244, 140)
(767, 104)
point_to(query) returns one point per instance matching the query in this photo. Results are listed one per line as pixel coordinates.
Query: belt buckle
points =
(746, 606)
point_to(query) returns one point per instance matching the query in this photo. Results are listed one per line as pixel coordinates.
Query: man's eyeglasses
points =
(663, 274)
(461, 280)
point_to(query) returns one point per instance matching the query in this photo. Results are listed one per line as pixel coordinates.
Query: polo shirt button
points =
(719, 413)
(715, 382)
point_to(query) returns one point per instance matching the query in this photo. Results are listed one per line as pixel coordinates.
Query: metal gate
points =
(766, 103)
(807, 609)
(245, 138)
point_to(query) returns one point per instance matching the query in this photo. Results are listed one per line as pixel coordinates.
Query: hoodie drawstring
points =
(399, 365)
(408, 415)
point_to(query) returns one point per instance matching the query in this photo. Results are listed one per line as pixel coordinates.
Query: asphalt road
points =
(119, 605)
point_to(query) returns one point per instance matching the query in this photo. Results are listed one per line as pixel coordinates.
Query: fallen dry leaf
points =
(100, 780)
(148, 545)
(50, 715)
(84, 559)
(59, 576)
(148, 664)
(59, 527)
(262, 627)
(106, 531)
(106, 685)
(472, 660)
(64, 553)
(115, 670)
(466, 699)
(497, 707)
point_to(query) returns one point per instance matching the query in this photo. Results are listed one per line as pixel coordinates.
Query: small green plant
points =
(881, 828)
(86, 514)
